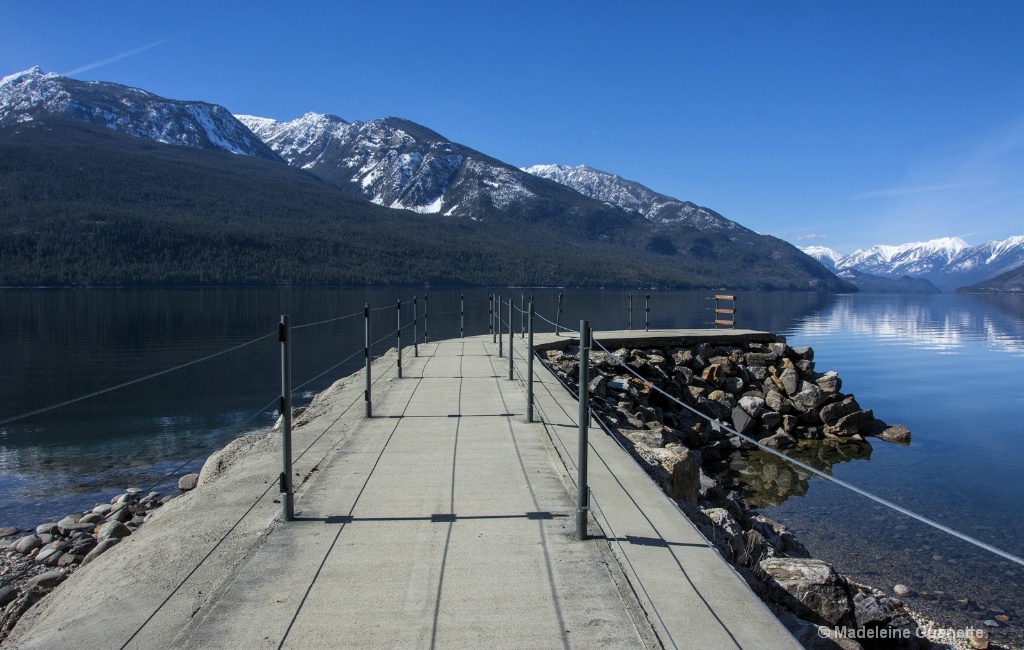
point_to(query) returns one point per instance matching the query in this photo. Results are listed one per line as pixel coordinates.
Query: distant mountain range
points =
(385, 201)
(949, 263)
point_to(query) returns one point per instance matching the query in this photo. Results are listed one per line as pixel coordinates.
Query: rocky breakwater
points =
(33, 562)
(769, 392)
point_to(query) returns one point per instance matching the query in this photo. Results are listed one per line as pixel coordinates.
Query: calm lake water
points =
(948, 367)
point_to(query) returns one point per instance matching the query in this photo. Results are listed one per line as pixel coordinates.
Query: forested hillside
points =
(85, 205)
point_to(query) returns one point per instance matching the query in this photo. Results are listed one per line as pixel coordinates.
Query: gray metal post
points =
(511, 357)
(529, 366)
(582, 489)
(558, 314)
(522, 315)
(426, 336)
(366, 353)
(285, 406)
(499, 326)
(630, 311)
(647, 313)
(462, 315)
(415, 327)
(398, 311)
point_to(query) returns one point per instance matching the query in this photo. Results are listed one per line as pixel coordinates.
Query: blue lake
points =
(945, 366)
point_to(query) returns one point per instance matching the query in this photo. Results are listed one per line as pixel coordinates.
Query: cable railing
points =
(717, 424)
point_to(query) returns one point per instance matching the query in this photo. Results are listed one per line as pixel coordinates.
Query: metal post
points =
(558, 314)
(529, 366)
(522, 315)
(285, 406)
(415, 327)
(490, 316)
(630, 311)
(398, 311)
(366, 353)
(426, 336)
(462, 315)
(499, 326)
(582, 489)
(647, 313)
(511, 357)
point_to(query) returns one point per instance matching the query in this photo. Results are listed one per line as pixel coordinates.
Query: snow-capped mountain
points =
(827, 256)
(391, 162)
(949, 262)
(630, 195)
(399, 164)
(33, 94)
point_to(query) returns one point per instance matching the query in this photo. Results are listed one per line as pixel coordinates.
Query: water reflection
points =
(764, 479)
(945, 322)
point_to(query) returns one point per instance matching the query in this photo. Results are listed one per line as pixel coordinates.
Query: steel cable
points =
(134, 381)
(329, 320)
(717, 424)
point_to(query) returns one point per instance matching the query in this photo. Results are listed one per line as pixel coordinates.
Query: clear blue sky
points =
(843, 124)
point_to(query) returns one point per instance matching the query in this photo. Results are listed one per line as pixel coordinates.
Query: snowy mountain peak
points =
(33, 94)
(391, 161)
(827, 256)
(630, 195)
(949, 262)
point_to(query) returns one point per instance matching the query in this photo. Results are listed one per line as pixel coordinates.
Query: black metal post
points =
(398, 311)
(529, 366)
(490, 316)
(415, 327)
(366, 353)
(462, 316)
(426, 336)
(558, 314)
(582, 489)
(499, 326)
(522, 315)
(511, 357)
(630, 311)
(647, 313)
(285, 406)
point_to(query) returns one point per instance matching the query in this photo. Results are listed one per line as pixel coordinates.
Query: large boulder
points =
(741, 420)
(112, 529)
(849, 425)
(809, 588)
(789, 379)
(809, 397)
(47, 580)
(27, 544)
(188, 482)
(832, 412)
(830, 382)
(893, 433)
(683, 468)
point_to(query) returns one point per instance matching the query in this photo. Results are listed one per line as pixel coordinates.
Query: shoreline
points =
(198, 535)
(223, 461)
(696, 467)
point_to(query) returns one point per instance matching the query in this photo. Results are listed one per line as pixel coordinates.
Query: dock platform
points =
(446, 520)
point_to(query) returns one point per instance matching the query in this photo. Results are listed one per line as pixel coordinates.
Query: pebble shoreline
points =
(35, 561)
(772, 393)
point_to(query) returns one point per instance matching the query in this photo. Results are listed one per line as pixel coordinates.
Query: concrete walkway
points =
(445, 521)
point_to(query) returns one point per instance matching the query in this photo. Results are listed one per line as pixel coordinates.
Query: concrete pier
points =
(444, 521)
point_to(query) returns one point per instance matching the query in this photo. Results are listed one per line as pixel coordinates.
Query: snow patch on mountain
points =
(33, 94)
(827, 256)
(382, 161)
(632, 196)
